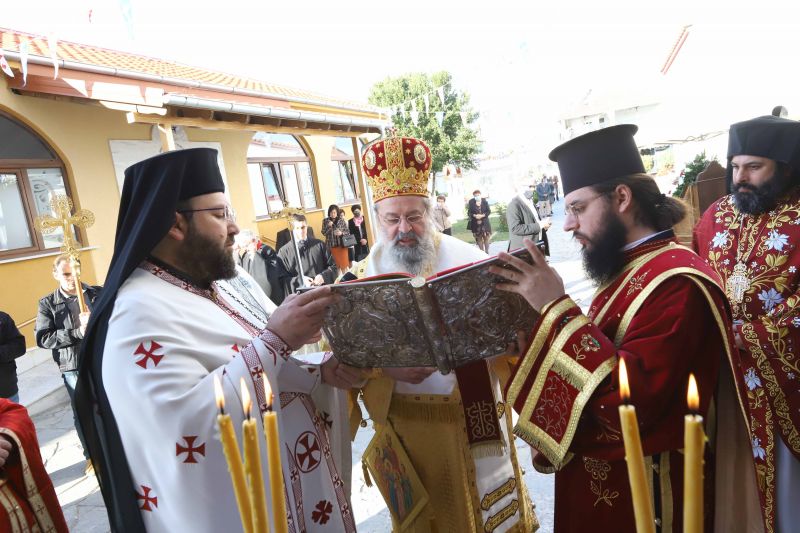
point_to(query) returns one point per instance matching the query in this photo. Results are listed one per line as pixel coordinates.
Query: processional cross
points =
(63, 218)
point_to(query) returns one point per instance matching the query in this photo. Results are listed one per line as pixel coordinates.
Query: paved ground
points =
(83, 505)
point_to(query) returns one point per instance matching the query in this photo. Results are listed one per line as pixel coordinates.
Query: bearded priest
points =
(750, 238)
(658, 306)
(165, 327)
(466, 465)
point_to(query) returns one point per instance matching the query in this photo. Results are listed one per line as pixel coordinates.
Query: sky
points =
(523, 62)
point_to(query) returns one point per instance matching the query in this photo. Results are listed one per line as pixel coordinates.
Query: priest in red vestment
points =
(27, 498)
(750, 238)
(658, 306)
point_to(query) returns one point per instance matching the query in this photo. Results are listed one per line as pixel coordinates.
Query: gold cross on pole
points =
(63, 218)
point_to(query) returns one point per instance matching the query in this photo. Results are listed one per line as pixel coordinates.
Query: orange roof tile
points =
(94, 55)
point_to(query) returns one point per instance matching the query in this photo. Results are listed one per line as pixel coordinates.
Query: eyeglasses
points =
(393, 220)
(227, 211)
(577, 208)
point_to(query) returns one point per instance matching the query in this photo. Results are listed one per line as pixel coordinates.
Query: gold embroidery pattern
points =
(588, 344)
(501, 409)
(599, 470)
(767, 256)
(481, 422)
(635, 283)
(504, 514)
(498, 494)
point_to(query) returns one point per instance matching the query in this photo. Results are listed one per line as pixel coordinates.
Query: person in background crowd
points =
(12, 345)
(60, 327)
(478, 212)
(334, 228)
(358, 229)
(441, 216)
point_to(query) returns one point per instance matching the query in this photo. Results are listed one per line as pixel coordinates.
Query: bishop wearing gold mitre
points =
(443, 454)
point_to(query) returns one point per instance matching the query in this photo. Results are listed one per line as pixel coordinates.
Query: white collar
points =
(634, 244)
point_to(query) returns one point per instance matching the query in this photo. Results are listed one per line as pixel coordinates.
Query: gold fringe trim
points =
(482, 450)
(563, 369)
(425, 411)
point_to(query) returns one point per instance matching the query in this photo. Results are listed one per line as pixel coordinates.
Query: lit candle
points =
(231, 449)
(252, 465)
(694, 444)
(274, 462)
(640, 493)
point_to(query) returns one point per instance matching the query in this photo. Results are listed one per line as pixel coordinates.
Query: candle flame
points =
(247, 403)
(624, 387)
(267, 391)
(692, 396)
(218, 394)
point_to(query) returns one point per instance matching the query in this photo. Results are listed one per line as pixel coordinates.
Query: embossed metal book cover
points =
(445, 321)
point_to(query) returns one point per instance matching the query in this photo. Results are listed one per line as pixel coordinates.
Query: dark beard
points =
(603, 256)
(203, 260)
(754, 200)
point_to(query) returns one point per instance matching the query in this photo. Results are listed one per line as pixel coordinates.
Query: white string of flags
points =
(414, 113)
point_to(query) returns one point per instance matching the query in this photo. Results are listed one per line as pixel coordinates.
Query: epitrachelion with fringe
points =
(446, 321)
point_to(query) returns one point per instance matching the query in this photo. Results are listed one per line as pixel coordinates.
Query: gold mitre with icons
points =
(397, 166)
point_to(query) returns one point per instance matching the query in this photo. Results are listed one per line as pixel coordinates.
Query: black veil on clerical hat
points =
(150, 195)
(598, 156)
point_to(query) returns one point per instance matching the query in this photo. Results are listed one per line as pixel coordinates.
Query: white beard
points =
(412, 260)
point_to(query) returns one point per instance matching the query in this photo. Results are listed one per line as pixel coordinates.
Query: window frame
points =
(20, 167)
(278, 163)
(339, 159)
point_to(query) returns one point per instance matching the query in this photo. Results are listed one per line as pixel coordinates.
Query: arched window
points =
(343, 168)
(30, 175)
(280, 173)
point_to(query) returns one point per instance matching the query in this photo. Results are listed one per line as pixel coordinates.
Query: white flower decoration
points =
(790, 375)
(771, 298)
(776, 241)
(758, 451)
(753, 264)
(792, 269)
(726, 261)
(751, 379)
(796, 321)
(720, 239)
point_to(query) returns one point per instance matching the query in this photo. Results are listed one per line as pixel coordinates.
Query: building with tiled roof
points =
(72, 118)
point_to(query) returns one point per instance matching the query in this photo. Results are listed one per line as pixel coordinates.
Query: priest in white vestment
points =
(165, 328)
(473, 483)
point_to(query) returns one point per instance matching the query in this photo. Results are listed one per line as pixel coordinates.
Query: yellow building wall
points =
(80, 135)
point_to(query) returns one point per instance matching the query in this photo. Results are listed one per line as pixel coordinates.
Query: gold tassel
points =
(367, 479)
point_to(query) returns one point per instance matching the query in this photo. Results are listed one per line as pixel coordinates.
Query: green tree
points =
(690, 173)
(452, 142)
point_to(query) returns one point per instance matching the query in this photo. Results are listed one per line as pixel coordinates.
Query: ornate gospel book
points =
(446, 320)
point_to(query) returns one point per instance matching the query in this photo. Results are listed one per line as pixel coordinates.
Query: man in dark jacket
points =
(12, 345)
(60, 327)
(319, 268)
(267, 269)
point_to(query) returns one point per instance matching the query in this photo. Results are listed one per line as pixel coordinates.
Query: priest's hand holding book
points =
(298, 320)
(538, 283)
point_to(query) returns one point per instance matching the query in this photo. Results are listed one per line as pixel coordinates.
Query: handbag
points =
(348, 240)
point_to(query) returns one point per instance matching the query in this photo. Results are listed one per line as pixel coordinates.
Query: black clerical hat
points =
(196, 168)
(598, 156)
(772, 137)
